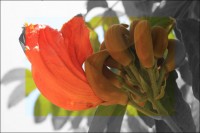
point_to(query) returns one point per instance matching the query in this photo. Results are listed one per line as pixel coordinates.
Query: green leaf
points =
(178, 109)
(88, 112)
(109, 18)
(29, 83)
(60, 116)
(138, 8)
(57, 111)
(41, 109)
(42, 106)
(95, 22)
(17, 95)
(16, 74)
(171, 35)
(131, 111)
(92, 4)
(165, 22)
(94, 41)
(108, 118)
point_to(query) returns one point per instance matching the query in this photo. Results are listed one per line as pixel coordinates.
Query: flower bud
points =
(160, 41)
(110, 62)
(101, 85)
(176, 54)
(143, 44)
(132, 29)
(117, 43)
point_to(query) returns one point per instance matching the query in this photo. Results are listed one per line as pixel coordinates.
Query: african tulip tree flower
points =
(57, 58)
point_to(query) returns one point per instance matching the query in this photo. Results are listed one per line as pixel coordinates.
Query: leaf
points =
(131, 111)
(95, 21)
(92, 4)
(175, 9)
(41, 109)
(108, 118)
(23, 89)
(29, 82)
(138, 8)
(109, 18)
(88, 112)
(94, 41)
(179, 110)
(136, 124)
(185, 73)
(190, 36)
(76, 121)
(16, 74)
(60, 117)
(17, 95)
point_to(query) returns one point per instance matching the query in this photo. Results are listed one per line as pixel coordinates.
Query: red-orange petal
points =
(56, 59)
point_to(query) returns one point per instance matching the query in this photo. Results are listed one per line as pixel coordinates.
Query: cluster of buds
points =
(143, 56)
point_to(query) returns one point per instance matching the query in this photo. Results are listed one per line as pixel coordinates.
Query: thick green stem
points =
(144, 110)
(154, 85)
(161, 76)
(134, 91)
(134, 70)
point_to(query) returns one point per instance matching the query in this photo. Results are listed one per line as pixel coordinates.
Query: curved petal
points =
(57, 64)
(100, 84)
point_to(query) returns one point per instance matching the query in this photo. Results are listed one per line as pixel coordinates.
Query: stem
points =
(144, 111)
(154, 85)
(134, 91)
(134, 70)
(132, 77)
(162, 76)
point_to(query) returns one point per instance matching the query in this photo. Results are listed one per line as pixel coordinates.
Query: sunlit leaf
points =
(94, 41)
(108, 118)
(29, 82)
(171, 35)
(25, 87)
(17, 95)
(16, 74)
(92, 4)
(109, 18)
(41, 109)
(88, 112)
(60, 117)
(131, 111)
(138, 8)
(95, 22)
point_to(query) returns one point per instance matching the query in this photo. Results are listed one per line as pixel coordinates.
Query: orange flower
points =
(57, 58)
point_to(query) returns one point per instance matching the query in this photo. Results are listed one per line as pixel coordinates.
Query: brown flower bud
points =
(101, 85)
(102, 46)
(110, 61)
(160, 41)
(132, 29)
(117, 43)
(143, 43)
(176, 54)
